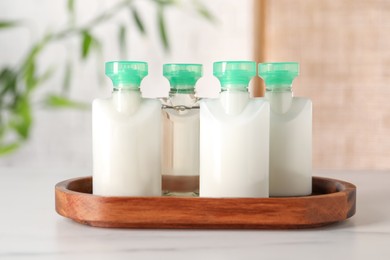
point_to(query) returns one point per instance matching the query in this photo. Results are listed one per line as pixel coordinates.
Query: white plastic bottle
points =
(290, 132)
(126, 136)
(180, 111)
(234, 136)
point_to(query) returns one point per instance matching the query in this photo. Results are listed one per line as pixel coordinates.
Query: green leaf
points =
(70, 6)
(86, 44)
(37, 48)
(45, 76)
(34, 51)
(89, 42)
(203, 11)
(162, 28)
(122, 41)
(8, 24)
(137, 19)
(2, 129)
(71, 12)
(29, 76)
(8, 80)
(32, 80)
(166, 2)
(8, 148)
(67, 76)
(56, 101)
(21, 118)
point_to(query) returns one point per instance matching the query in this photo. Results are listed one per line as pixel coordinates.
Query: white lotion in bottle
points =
(126, 136)
(290, 132)
(234, 136)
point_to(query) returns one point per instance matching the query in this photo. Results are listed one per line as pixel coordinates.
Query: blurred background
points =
(52, 56)
(343, 48)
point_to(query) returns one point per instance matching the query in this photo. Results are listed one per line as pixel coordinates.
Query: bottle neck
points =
(125, 85)
(234, 87)
(278, 88)
(280, 98)
(182, 89)
(126, 100)
(181, 99)
(234, 99)
(126, 88)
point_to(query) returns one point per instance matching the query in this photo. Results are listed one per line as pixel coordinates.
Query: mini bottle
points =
(180, 113)
(290, 132)
(126, 130)
(234, 136)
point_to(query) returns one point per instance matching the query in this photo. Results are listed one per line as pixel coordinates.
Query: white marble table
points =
(31, 229)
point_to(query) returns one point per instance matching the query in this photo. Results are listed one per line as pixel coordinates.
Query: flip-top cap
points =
(127, 74)
(181, 76)
(276, 74)
(234, 72)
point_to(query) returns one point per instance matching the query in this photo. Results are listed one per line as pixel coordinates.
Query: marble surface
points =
(31, 229)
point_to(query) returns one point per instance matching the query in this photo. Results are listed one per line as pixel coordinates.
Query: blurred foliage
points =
(18, 83)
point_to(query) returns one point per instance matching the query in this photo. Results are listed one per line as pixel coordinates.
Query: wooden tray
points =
(333, 201)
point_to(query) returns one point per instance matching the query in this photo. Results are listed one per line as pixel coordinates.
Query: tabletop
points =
(31, 229)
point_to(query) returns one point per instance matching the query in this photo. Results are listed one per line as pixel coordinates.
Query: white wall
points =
(62, 138)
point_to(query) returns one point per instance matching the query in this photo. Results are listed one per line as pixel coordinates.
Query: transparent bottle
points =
(180, 113)
(126, 132)
(234, 136)
(290, 131)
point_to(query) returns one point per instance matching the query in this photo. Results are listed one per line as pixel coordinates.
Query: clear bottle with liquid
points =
(234, 136)
(180, 113)
(290, 131)
(126, 132)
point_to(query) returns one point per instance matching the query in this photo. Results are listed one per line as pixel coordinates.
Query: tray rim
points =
(345, 192)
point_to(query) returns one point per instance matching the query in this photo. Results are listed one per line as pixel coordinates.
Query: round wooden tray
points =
(332, 201)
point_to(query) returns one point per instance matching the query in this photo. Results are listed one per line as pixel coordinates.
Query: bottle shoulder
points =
(256, 107)
(110, 100)
(300, 108)
(254, 103)
(260, 101)
(151, 102)
(180, 100)
(302, 100)
(126, 107)
(101, 100)
(301, 104)
(101, 103)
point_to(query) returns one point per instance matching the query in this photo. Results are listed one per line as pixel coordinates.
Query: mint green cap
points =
(128, 74)
(234, 72)
(278, 74)
(181, 76)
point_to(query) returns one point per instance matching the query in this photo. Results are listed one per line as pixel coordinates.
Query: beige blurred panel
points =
(260, 34)
(344, 51)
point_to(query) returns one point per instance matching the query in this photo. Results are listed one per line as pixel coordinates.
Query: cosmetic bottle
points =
(126, 131)
(234, 136)
(180, 119)
(290, 131)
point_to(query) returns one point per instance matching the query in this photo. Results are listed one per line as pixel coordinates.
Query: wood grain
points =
(333, 201)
